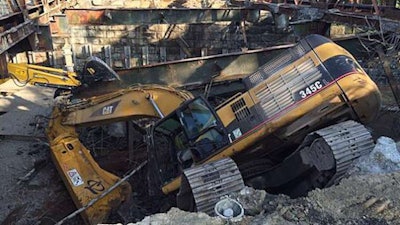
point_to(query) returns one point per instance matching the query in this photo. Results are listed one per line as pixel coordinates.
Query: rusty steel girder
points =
(119, 16)
(201, 70)
(353, 14)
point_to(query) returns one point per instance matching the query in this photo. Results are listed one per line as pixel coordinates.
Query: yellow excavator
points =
(23, 73)
(83, 177)
(296, 127)
(95, 74)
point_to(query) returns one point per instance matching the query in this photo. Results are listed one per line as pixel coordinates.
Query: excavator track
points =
(348, 141)
(208, 183)
(320, 161)
(332, 150)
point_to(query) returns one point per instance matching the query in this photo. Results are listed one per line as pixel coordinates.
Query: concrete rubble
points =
(367, 196)
(384, 158)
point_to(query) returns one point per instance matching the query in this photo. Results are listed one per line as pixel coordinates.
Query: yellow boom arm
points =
(43, 76)
(84, 178)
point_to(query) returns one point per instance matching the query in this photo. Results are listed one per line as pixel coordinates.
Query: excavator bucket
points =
(96, 70)
(97, 78)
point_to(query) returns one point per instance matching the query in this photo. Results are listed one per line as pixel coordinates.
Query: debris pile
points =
(367, 196)
(384, 158)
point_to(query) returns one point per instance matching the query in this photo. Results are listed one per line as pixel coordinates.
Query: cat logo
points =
(106, 110)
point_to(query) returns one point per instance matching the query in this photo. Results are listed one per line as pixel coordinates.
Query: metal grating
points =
(256, 78)
(240, 109)
(276, 64)
(279, 93)
(298, 51)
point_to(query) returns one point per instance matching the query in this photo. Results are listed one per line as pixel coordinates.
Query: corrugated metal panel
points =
(279, 93)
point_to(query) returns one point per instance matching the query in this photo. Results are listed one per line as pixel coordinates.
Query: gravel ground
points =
(357, 200)
(29, 184)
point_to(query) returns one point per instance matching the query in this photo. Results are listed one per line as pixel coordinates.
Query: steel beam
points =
(197, 71)
(157, 16)
(371, 21)
(327, 14)
(225, 71)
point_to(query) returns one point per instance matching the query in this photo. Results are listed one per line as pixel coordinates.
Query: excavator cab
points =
(189, 135)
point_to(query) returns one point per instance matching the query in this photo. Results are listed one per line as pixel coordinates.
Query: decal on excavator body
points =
(106, 110)
(75, 178)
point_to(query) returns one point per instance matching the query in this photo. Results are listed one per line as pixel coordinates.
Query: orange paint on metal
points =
(76, 17)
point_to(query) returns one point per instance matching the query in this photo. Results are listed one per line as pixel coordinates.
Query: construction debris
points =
(138, 38)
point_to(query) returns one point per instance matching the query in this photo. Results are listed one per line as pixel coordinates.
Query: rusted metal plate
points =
(156, 16)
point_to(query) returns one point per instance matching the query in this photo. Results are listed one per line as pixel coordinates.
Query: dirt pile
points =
(360, 199)
(368, 196)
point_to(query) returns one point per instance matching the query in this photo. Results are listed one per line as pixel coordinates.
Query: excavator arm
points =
(95, 75)
(44, 76)
(84, 178)
(134, 102)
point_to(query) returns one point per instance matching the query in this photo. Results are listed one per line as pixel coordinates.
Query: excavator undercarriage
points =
(320, 161)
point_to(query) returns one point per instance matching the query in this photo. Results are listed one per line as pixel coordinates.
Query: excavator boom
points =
(133, 102)
(84, 178)
(44, 76)
(95, 75)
